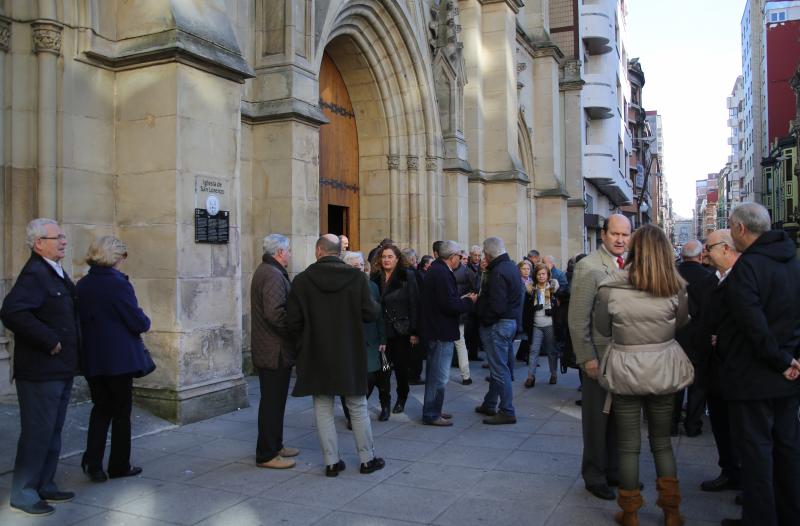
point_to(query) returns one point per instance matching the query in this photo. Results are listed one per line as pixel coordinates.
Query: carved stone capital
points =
(412, 161)
(393, 162)
(47, 37)
(5, 34)
(431, 163)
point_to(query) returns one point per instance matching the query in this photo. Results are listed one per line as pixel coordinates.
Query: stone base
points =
(247, 364)
(5, 367)
(194, 403)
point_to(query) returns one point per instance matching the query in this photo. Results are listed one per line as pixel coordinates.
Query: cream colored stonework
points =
(135, 132)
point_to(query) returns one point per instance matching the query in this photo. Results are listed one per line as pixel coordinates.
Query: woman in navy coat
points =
(112, 355)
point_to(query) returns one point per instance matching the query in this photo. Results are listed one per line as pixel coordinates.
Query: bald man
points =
(327, 307)
(600, 463)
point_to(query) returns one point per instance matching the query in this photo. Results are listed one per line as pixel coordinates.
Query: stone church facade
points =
(411, 119)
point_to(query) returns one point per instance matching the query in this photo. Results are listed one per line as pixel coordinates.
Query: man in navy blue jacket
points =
(759, 345)
(41, 312)
(500, 313)
(439, 325)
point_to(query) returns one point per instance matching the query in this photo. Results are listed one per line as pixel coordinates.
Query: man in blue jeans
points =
(500, 313)
(439, 327)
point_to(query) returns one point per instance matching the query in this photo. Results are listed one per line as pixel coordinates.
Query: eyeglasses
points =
(709, 247)
(60, 237)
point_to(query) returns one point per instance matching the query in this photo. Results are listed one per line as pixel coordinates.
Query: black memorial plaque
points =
(211, 229)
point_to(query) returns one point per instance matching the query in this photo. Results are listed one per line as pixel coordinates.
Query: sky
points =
(690, 52)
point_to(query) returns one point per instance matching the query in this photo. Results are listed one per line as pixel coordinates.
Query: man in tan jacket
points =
(599, 466)
(272, 351)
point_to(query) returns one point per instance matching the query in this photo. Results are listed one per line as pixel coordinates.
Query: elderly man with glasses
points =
(41, 312)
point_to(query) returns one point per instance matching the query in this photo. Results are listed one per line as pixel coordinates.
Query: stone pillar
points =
(572, 149)
(5, 39)
(47, 46)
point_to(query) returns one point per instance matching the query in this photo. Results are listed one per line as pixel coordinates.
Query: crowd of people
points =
(720, 329)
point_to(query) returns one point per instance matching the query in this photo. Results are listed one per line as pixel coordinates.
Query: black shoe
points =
(578, 403)
(373, 465)
(57, 496)
(95, 474)
(694, 433)
(601, 491)
(39, 509)
(720, 483)
(334, 469)
(485, 410)
(466, 381)
(500, 419)
(731, 522)
(400, 406)
(384, 416)
(132, 472)
(738, 499)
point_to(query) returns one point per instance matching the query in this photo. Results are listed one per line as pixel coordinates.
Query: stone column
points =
(5, 39)
(574, 139)
(47, 46)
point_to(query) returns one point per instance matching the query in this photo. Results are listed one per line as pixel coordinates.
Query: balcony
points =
(731, 141)
(733, 122)
(601, 168)
(597, 27)
(599, 99)
(730, 102)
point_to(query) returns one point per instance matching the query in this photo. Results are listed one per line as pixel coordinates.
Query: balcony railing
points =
(597, 27)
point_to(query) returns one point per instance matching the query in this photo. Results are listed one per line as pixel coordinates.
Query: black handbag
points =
(149, 365)
(401, 325)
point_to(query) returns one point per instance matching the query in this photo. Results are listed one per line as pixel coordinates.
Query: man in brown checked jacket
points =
(271, 350)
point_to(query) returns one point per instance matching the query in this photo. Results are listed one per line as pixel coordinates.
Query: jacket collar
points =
(269, 260)
(107, 271)
(496, 261)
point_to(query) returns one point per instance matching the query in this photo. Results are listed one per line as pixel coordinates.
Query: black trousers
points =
(768, 434)
(399, 349)
(472, 337)
(695, 408)
(112, 397)
(719, 415)
(274, 385)
(375, 379)
(42, 410)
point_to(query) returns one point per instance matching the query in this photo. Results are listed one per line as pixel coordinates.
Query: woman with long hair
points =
(525, 270)
(400, 304)
(640, 309)
(543, 338)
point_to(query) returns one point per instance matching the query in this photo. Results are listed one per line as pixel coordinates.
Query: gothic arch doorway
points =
(338, 157)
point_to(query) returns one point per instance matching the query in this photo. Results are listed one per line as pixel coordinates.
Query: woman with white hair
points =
(113, 354)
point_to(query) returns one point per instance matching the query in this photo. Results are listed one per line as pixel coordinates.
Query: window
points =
(777, 17)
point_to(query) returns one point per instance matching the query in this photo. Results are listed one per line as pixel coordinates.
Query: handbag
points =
(401, 325)
(149, 365)
(648, 369)
(386, 365)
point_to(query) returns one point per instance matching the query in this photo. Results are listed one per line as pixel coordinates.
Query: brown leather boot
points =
(630, 501)
(669, 499)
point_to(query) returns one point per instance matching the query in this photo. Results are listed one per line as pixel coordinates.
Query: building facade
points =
(192, 129)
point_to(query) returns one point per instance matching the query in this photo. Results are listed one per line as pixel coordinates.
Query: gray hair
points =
(753, 216)
(494, 246)
(691, 249)
(350, 257)
(409, 256)
(273, 243)
(106, 251)
(725, 237)
(475, 249)
(533, 254)
(36, 229)
(448, 248)
(549, 259)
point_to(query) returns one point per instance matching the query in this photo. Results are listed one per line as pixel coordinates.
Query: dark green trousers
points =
(628, 411)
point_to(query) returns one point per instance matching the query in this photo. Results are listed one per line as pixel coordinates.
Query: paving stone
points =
(480, 511)
(247, 479)
(260, 511)
(340, 518)
(541, 462)
(403, 502)
(396, 448)
(561, 427)
(223, 449)
(494, 438)
(474, 457)
(418, 431)
(572, 445)
(117, 518)
(510, 486)
(66, 513)
(171, 441)
(181, 503)
(437, 476)
(178, 467)
(331, 492)
(115, 493)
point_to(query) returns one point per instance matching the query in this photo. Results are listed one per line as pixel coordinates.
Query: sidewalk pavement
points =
(468, 474)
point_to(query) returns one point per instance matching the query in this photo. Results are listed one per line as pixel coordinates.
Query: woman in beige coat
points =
(640, 308)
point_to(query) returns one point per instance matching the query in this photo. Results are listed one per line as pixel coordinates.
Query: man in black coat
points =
(326, 310)
(472, 337)
(500, 312)
(41, 312)
(442, 306)
(760, 370)
(692, 270)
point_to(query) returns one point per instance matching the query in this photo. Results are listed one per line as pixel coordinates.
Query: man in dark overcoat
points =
(328, 304)
(41, 312)
(272, 352)
(760, 369)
